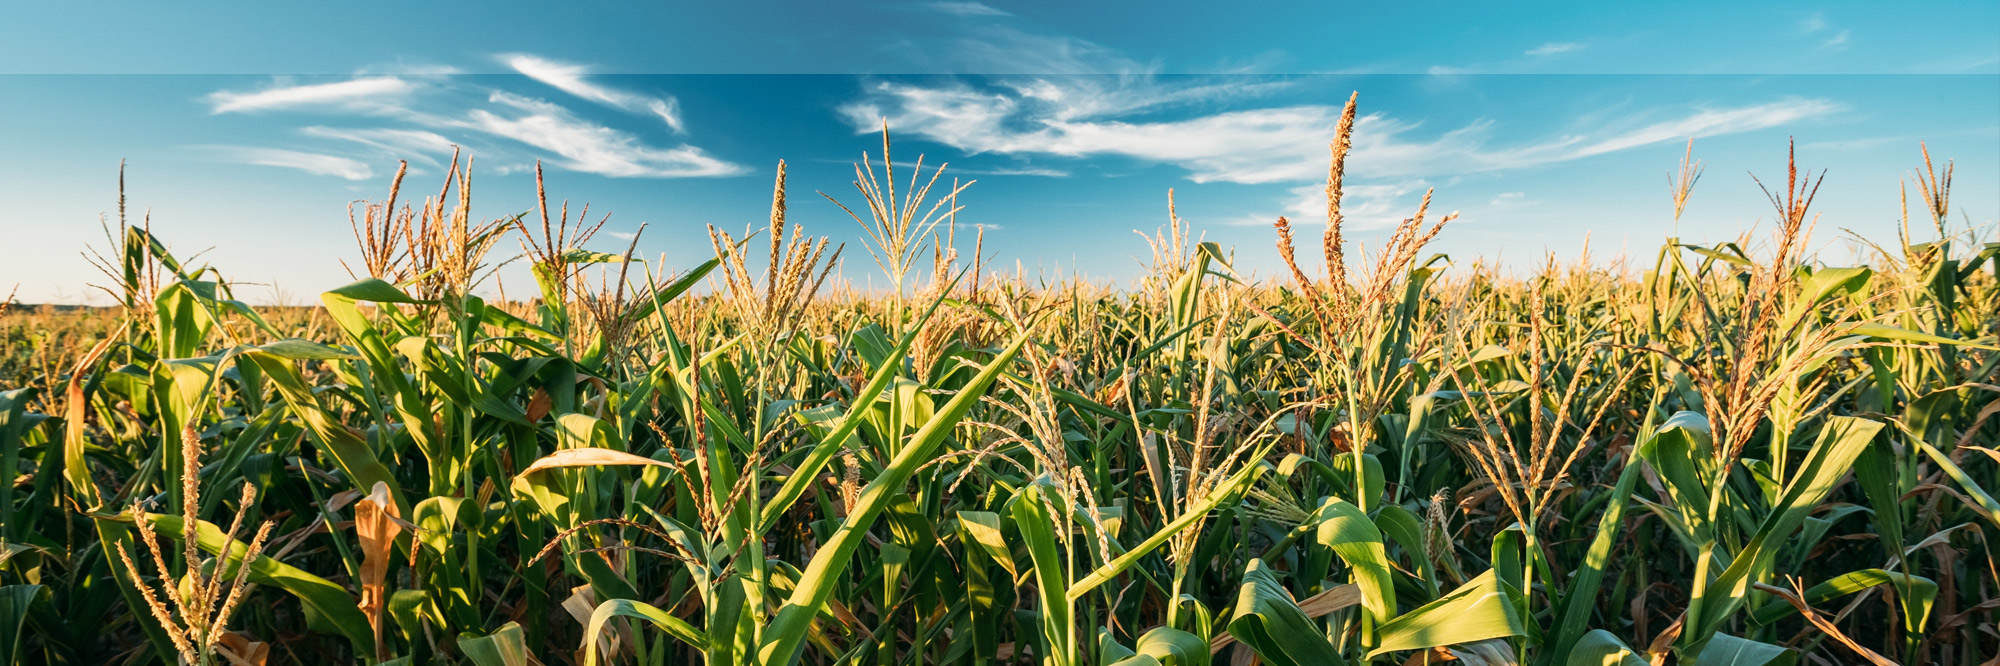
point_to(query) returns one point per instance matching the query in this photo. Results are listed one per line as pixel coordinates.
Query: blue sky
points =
(249, 128)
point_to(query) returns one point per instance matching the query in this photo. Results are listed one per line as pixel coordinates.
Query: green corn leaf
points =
(1988, 507)
(982, 530)
(831, 444)
(1191, 515)
(1172, 647)
(1682, 455)
(1349, 533)
(1109, 652)
(1841, 440)
(1165, 646)
(1887, 332)
(14, 603)
(1405, 529)
(1817, 285)
(1602, 648)
(787, 631)
(1727, 650)
(1482, 608)
(352, 453)
(1031, 515)
(1735, 257)
(15, 422)
(577, 255)
(1921, 592)
(1577, 602)
(506, 646)
(1876, 471)
(675, 627)
(306, 350)
(1269, 621)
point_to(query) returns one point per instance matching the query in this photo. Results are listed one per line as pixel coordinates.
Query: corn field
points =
(1718, 454)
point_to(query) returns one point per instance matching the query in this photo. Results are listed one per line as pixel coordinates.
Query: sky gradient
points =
(248, 130)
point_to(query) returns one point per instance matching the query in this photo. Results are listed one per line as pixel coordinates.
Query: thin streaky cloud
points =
(1553, 48)
(1014, 171)
(427, 117)
(1061, 118)
(991, 48)
(342, 93)
(315, 163)
(1392, 171)
(966, 9)
(574, 79)
(418, 145)
(411, 70)
(586, 146)
(1813, 22)
(1712, 122)
(1364, 205)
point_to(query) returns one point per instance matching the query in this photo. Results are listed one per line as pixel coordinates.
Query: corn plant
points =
(1735, 454)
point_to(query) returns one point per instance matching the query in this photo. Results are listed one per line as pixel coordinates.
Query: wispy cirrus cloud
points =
(586, 146)
(421, 117)
(361, 92)
(574, 79)
(1365, 205)
(1232, 146)
(1813, 22)
(1831, 39)
(1274, 144)
(1709, 122)
(1553, 48)
(1014, 171)
(1214, 129)
(419, 145)
(316, 163)
(965, 8)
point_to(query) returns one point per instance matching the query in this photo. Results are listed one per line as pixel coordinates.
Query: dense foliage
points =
(1733, 454)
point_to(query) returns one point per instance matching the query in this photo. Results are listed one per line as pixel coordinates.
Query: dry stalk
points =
(897, 230)
(199, 611)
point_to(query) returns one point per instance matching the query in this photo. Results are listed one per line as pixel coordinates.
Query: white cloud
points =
(998, 49)
(1066, 119)
(1553, 48)
(1015, 171)
(411, 70)
(325, 165)
(586, 146)
(1077, 118)
(416, 145)
(966, 9)
(573, 79)
(1712, 122)
(430, 114)
(1362, 205)
(1137, 115)
(1816, 22)
(351, 93)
